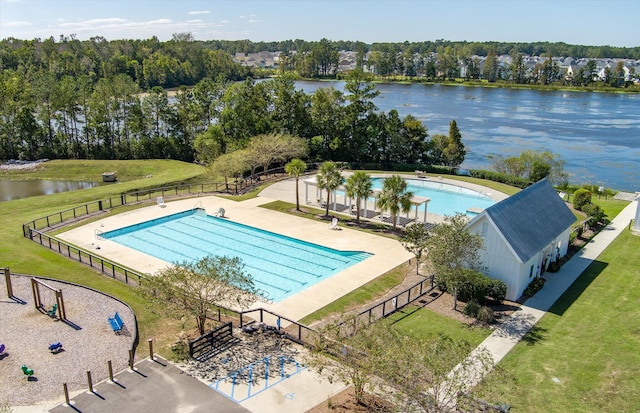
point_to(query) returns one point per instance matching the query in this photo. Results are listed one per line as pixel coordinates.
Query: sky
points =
(582, 22)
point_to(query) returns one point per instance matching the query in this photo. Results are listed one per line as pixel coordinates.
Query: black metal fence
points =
(213, 342)
(391, 305)
(107, 267)
(147, 195)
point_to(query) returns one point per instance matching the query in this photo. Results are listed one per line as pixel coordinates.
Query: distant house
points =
(522, 235)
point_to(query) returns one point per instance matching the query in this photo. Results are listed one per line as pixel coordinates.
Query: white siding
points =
(498, 260)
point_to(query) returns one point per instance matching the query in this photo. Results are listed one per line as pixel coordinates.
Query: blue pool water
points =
(280, 266)
(446, 199)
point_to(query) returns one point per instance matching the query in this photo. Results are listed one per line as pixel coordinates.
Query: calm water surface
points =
(10, 190)
(596, 134)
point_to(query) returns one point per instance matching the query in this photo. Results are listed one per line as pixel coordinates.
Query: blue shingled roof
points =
(531, 219)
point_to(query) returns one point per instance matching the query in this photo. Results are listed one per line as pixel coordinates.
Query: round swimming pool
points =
(446, 199)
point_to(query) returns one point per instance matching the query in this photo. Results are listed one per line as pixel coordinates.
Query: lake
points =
(10, 190)
(596, 134)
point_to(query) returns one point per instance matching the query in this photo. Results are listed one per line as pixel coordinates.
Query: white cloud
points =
(195, 21)
(21, 23)
(254, 21)
(200, 12)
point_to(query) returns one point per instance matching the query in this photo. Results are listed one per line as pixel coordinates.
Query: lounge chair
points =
(160, 201)
(334, 224)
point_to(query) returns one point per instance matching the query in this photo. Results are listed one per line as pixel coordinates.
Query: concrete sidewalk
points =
(504, 338)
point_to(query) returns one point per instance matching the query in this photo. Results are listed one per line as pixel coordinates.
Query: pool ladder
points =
(98, 234)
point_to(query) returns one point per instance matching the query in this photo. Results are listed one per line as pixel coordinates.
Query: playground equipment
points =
(27, 371)
(55, 347)
(58, 307)
(54, 309)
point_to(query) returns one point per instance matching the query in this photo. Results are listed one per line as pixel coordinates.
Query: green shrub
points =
(474, 288)
(471, 309)
(180, 351)
(534, 286)
(595, 214)
(554, 266)
(500, 177)
(481, 288)
(486, 315)
(581, 198)
(441, 285)
(496, 291)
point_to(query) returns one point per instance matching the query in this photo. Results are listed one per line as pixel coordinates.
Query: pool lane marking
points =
(279, 239)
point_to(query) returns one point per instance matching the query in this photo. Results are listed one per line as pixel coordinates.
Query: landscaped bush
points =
(581, 198)
(554, 266)
(496, 291)
(486, 315)
(482, 289)
(471, 309)
(595, 214)
(500, 177)
(534, 286)
(475, 288)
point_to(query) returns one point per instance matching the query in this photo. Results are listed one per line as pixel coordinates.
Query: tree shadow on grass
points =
(576, 289)
(535, 335)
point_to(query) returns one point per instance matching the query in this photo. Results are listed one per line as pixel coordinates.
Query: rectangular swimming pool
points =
(280, 266)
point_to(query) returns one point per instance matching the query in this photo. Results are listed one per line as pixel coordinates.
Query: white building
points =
(522, 235)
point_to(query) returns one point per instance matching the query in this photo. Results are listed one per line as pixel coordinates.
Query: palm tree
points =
(296, 168)
(394, 197)
(359, 186)
(329, 178)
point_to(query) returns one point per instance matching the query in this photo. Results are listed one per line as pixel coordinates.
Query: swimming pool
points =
(446, 199)
(280, 266)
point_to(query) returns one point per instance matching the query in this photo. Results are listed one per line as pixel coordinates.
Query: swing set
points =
(58, 307)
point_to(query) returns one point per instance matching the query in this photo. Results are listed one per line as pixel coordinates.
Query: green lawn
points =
(589, 341)
(368, 292)
(421, 322)
(611, 207)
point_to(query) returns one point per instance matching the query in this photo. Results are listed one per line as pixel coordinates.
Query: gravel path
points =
(88, 341)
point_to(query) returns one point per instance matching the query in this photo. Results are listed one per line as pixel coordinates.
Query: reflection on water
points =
(10, 190)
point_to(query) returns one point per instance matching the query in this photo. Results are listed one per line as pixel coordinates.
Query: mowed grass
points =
(589, 341)
(422, 322)
(27, 257)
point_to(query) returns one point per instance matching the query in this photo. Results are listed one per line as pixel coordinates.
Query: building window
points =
(531, 271)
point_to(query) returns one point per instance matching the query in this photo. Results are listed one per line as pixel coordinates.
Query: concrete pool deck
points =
(387, 253)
